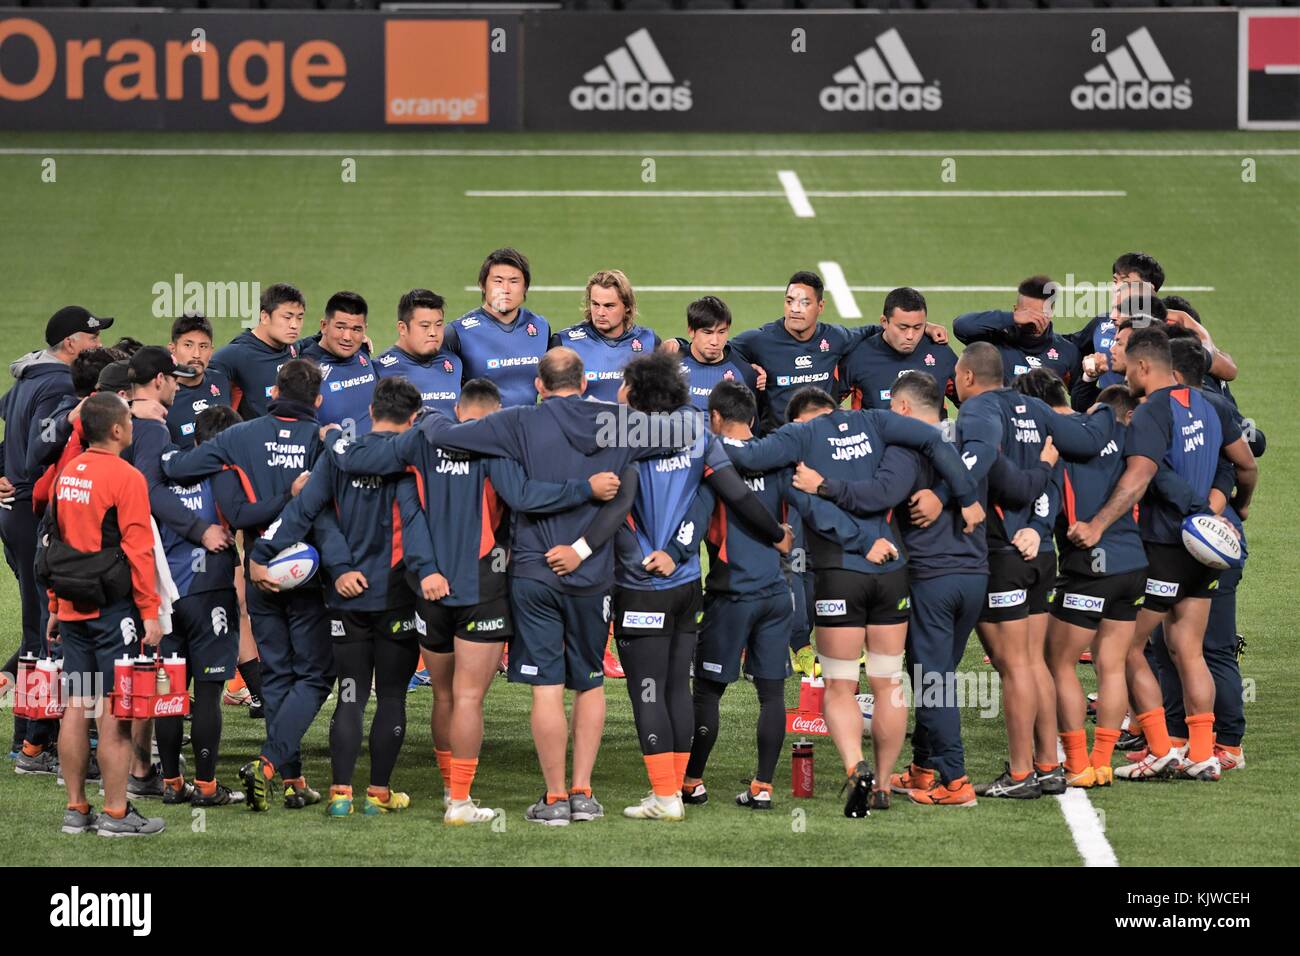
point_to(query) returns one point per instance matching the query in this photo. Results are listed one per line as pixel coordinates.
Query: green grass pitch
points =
(111, 226)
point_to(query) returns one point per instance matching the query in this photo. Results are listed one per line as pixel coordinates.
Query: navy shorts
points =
(205, 631)
(559, 637)
(488, 623)
(758, 625)
(90, 648)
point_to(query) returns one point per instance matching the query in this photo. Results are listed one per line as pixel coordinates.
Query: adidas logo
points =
(633, 77)
(882, 77)
(1134, 77)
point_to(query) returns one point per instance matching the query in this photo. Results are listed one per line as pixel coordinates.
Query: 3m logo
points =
(882, 77)
(1134, 77)
(633, 77)
(436, 72)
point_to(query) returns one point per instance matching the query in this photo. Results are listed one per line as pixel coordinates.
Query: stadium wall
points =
(796, 71)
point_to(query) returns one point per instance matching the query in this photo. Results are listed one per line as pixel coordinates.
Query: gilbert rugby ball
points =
(1210, 541)
(867, 704)
(294, 565)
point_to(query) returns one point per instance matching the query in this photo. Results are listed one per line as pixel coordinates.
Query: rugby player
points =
(708, 358)
(561, 622)
(871, 367)
(1024, 336)
(1133, 274)
(996, 420)
(191, 347)
(501, 340)
(861, 578)
(1182, 428)
(291, 628)
(608, 336)
(252, 359)
(459, 579)
(657, 604)
(348, 377)
(748, 610)
(419, 355)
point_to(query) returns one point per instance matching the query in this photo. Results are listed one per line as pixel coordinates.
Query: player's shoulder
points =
(388, 360)
(574, 333)
(473, 319)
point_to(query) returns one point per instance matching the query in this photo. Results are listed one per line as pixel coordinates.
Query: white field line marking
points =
(1282, 69)
(1085, 829)
(794, 193)
(838, 287)
(792, 196)
(649, 151)
(780, 288)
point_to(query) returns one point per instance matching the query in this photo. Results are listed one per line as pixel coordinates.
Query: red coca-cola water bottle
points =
(144, 678)
(123, 669)
(801, 769)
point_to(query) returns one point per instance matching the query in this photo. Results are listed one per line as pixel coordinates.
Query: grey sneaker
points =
(92, 771)
(150, 786)
(46, 762)
(182, 794)
(1010, 788)
(552, 814)
(74, 821)
(1052, 783)
(131, 825)
(583, 808)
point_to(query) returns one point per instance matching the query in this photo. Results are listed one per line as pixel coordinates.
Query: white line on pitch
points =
(781, 288)
(789, 194)
(1085, 828)
(649, 151)
(794, 193)
(838, 287)
(1282, 69)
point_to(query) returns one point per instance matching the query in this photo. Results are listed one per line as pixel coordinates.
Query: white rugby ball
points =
(1211, 541)
(294, 565)
(867, 704)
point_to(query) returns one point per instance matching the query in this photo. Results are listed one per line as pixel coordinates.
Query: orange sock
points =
(1075, 743)
(755, 787)
(268, 770)
(1019, 776)
(1200, 730)
(1103, 746)
(680, 760)
(1235, 751)
(659, 767)
(1045, 767)
(462, 776)
(383, 793)
(556, 797)
(444, 766)
(342, 789)
(176, 783)
(116, 814)
(82, 807)
(585, 791)
(1156, 731)
(31, 749)
(206, 787)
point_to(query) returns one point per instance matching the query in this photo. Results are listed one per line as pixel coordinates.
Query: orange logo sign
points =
(436, 71)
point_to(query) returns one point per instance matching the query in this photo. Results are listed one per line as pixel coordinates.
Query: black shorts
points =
(559, 637)
(1086, 601)
(676, 610)
(396, 624)
(1018, 588)
(1174, 575)
(487, 623)
(90, 648)
(205, 631)
(843, 598)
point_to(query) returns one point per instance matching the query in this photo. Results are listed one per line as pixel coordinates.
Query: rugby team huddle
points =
(494, 492)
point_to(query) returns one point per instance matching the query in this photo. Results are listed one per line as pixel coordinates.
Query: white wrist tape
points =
(583, 549)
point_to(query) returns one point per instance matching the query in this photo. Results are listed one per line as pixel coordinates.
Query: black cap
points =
(72, 319)
(154, 359)
(114, 377)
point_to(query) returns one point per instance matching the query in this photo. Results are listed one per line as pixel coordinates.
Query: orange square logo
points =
(436, 71)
